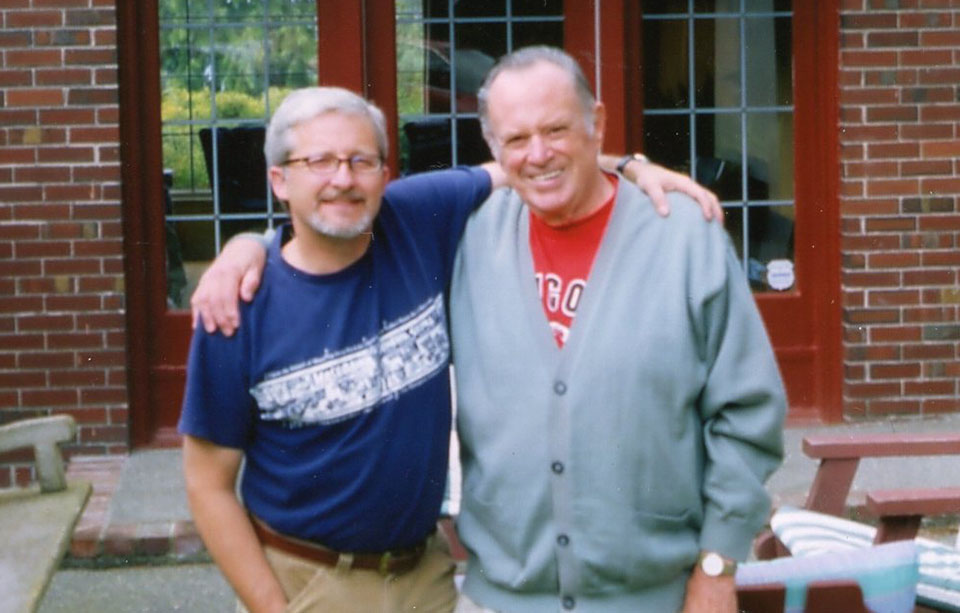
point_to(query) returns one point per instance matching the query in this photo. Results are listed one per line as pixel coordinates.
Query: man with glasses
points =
(335, 391)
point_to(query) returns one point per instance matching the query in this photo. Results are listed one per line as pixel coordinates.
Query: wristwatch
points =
(638, 157)
(715, 565)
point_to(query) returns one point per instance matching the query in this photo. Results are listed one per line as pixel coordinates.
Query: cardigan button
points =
(560, 388)
(563, 540)
(557, 467)
(568, 603)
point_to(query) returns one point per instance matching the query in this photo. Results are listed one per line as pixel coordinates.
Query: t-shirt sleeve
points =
(217, 405)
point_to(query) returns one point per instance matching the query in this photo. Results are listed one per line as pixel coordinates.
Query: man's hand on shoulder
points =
(656, 180)
(235, 272)
(710, 594)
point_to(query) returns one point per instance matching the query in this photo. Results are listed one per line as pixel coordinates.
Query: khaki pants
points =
(312, 587)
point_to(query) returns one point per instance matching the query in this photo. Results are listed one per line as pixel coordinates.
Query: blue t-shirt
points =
(336, 386)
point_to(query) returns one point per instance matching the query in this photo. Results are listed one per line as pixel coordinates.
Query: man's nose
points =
(539, 150)
(343, 175)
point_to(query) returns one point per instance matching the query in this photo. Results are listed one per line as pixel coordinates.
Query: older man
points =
(335, 391)
(618, 463)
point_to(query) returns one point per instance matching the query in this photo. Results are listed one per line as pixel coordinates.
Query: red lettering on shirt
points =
(562, 258)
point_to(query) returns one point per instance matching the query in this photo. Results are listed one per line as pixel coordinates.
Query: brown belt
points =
(393, 562)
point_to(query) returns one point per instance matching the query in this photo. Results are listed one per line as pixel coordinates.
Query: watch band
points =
(638, 157)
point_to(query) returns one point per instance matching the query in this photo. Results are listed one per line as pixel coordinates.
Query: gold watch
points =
(715, 565)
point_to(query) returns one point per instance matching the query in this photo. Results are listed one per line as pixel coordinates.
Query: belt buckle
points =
(384, 567)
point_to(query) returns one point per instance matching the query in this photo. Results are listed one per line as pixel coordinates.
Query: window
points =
(444, 50)
(718, 104)
(224, 65)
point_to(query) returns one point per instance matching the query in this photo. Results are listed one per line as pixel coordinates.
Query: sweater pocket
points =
(624, 550)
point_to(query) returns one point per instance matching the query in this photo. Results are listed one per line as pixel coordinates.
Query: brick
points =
(65, 154)
(872, 390)
(893, 407)
(929, 315)
(11, 78)
(901, 187)
(895, 371)
(871, 316)
(893, 150)
(894, 298)
(940, 112)
(68, 116)
(42, 249)
(941, 332)
(928, 351)
(870, 133)
(62, 76)
(873, 353)
(868, 58)
(869, 95)
(926, 57)
(98, 134)
(868, 21)
(84, 303)
(892, 113)
(45, 359)
(940, 38)
(927, 277)
(41, 174)
(35, 97)
(930, 387)
(942, 405)
(939, 223)
(43, 211)
(926, 131)
(93, 17)
(898, 38)
(928, 205)
(61, 38)
(48, 398)
(25, 58)
(936, 149)
(96, 359)
(870, 242)
(927, 95)
(92, 96)
(891, 224)
(895, 334)
(90, 57)
(33, 19)
(926, 167)
(925, 20)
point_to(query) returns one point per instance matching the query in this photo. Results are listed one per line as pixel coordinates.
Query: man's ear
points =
(278, 181)
(599, 123)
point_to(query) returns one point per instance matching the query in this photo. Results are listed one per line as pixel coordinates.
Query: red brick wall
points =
(900, 106)
(61, 271)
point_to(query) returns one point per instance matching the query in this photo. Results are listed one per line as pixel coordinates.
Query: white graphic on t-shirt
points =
(338, 386)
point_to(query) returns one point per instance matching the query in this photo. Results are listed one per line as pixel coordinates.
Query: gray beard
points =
(362, 226)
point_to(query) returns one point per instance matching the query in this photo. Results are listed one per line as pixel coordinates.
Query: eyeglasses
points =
(330, 164)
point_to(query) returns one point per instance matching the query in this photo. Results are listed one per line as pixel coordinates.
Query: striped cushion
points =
(807, 533)
(887, 575)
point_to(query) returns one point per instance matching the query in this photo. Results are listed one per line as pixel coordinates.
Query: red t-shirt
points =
(562, 258)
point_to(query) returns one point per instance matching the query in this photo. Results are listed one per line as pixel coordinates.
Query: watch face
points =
(712, 565)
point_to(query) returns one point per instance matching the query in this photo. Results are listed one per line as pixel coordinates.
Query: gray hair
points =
(302, 105)
(525, 58)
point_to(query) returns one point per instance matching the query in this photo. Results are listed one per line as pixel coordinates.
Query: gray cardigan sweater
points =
(594, 475)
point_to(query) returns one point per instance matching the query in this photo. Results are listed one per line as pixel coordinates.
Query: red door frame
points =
(804, 324)
(357, 50)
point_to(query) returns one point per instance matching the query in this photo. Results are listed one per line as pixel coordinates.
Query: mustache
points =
(341, 194)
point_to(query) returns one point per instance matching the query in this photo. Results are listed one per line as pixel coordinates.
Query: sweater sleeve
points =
(742, 408)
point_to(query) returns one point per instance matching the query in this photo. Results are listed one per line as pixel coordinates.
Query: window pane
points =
(526, 33)
(666, 76)
(770, 156)
(716, 6)
(771, 232)
(299, 10)
(471, 148)
(769, 5)
(719, 165)
(768, 57)
(293, 55)
(667, 138)
(237, 10)
(717, 72)
(183, 160)
(189, 251)
(539, 8)
(425, 144)
(480, 8)
(661, 7)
